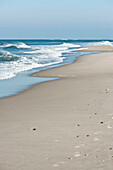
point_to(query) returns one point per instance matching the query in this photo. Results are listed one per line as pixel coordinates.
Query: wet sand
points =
(64, 124)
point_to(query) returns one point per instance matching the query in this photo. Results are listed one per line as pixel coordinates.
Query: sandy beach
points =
(65, 124)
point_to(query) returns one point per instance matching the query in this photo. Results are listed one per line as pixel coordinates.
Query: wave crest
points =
(69, 45)
(7, 57)
(21, 45)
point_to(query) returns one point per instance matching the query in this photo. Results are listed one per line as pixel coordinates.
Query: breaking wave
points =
(7, 56)
(21, 45)
(69, 45)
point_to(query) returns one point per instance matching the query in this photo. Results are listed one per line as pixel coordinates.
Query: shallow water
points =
(19, 58)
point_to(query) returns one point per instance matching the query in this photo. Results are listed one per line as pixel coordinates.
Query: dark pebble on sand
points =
(110, 148)
(87, 135)
(101, 122)
(34, 128)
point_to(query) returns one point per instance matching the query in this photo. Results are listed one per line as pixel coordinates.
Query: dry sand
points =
(66, 124)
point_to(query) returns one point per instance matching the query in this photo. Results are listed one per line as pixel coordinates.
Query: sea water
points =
(20, 58)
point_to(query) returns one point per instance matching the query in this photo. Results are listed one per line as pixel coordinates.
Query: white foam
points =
(21, 45)
(106, 43)
(69, 45)
(81, 49)
(10, 69)
(39, 56)
(102, 43)
(5, 53)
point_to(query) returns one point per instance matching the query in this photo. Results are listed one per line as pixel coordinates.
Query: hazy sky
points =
(56, 19)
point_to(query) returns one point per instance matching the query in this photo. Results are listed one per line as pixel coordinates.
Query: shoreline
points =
(63, 124)
(98, 49)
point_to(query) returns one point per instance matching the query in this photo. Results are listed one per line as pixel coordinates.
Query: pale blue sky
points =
(56, 19)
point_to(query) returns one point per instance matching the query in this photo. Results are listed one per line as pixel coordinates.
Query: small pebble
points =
(34, 128)
(87, 135)
(77, 147)
(77, 136)
(110, 148)
(111, 157)
(77, 154)
(109, 127)
(96, 139)
(96, 133)
(56, 165)
(78, 125)
(101, 122)
(56, 140)
(69, 158)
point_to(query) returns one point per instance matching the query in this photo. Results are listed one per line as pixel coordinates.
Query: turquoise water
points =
(19, 58)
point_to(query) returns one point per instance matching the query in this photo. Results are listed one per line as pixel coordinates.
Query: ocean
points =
(20, 58)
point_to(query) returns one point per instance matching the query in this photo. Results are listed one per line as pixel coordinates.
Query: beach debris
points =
(111, 157)
(85, 155)
(77, 154)
(56, 140)
(96, 133)
(109, 127)
(34, 129)
(107, 90)
(77, 146)
(78, 125)
(96, 139)
(69, 158)
(55, 165)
